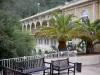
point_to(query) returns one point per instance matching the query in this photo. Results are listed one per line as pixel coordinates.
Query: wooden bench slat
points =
(63, 64)
(35, 69)
(36, 65)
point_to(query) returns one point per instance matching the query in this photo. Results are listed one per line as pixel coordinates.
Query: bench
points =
(63, 64)
(9, 71)
(30, 66)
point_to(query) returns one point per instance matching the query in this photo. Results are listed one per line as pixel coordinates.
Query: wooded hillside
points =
(25, 8)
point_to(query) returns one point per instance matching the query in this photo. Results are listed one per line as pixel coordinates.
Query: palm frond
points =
(98, 34)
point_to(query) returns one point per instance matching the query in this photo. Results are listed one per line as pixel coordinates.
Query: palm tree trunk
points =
(62, 45)
(89, 47)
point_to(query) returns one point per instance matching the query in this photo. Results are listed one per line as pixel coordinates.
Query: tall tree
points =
(90, 33)
(26, 8)
(60, 29)
(12, 41)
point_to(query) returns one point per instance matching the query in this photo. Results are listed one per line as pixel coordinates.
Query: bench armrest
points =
(47, 62)
(71, 62)
(55, 66)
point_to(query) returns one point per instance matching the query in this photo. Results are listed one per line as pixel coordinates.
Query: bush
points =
(46, 52)
(13, 42)
(40, 52)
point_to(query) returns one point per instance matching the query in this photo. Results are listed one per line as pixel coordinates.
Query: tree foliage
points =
(89, 32)
(60, 29)
(25, 8)
(13, 42)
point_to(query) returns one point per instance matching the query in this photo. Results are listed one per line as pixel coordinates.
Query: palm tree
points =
(97, 23)
(59, 29)
(89, 33)
(98, 35)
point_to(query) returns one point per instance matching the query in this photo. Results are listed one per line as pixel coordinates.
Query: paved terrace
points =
(91, 63)
(86, 70)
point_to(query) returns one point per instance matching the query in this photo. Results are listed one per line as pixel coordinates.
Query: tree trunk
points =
(89, 47)
(62, 45)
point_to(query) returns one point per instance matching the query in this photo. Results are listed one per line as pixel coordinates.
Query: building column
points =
(50, 41)
(75, 11)
(48, 24)
(98, 10)
(94, 11)
(35, 24)
(22, 27)
(26, 26)
(37, 40)
(40, 23)
(30, 26)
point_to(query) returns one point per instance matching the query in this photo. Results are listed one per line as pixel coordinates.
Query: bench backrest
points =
(9, 71)
(62, 62)
(26, 64)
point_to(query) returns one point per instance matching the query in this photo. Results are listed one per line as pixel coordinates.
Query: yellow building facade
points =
(79, 8)
(90, 8)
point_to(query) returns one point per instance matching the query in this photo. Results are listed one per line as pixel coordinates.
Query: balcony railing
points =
(9, 62)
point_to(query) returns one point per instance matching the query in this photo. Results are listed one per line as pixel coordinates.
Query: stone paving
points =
(86, 70)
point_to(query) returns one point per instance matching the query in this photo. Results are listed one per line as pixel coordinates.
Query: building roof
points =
(56, 8)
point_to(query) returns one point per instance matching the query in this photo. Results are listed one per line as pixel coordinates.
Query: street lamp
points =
(38, 7)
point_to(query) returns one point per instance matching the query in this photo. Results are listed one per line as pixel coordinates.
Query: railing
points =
(61, 54)
(9, 62)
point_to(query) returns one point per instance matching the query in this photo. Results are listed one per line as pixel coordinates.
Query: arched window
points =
(53, 42)
(44, 23)
(45, 41)
(28, 27)
(84, 15)
(39, 41)
(38, 24)
(32, 26)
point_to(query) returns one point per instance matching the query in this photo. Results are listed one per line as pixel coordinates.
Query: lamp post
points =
(38, 7)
